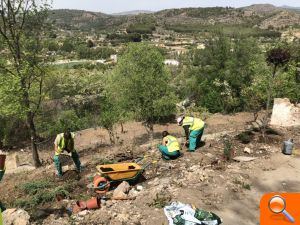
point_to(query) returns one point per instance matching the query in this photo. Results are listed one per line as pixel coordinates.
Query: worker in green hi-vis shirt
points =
(2, 171)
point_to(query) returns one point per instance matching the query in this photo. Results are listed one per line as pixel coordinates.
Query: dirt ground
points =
(205, 179)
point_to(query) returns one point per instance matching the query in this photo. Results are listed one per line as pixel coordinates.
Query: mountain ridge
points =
(258, 15)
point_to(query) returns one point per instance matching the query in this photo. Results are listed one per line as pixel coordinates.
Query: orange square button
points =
(280, 209)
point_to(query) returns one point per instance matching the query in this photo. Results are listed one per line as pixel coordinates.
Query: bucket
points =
(101, 184)
(288, 147)
(93, 203)
(2, 161)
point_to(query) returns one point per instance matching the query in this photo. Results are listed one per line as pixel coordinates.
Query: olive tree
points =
(22, 66)
(141, 84)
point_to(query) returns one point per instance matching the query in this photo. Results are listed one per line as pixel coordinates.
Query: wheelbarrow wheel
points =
(101, 185)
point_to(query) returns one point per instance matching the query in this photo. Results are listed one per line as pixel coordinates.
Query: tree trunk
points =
(270, 90)
(151, 133)
(31, 126)
(111, 136)
(150, 130)
(122, 128)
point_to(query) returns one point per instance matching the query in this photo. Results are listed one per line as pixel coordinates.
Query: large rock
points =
(121, 191)
(285, 114)
(15, 217)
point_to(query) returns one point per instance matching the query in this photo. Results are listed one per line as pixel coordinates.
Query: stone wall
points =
(285, 114)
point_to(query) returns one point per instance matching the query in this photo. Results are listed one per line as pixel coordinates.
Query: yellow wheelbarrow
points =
(111, 174)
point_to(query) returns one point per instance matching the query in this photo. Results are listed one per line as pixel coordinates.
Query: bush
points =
(124, 38)
(222, 72)
(228, 149)
(68, 119)
(52, 46)
(40, 192)
(245, 137)
(141, 28)
(85, 52)
(68, 46)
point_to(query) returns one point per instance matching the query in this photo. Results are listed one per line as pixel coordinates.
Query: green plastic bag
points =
(203, 215)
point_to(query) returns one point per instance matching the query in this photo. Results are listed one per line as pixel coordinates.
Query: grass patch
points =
(160, 201)
(103, 161)
(246, 186)
(242, 184)
(41, 192)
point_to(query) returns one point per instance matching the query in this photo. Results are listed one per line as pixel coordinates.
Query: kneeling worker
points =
(170, 147)
(193, 128)
(65, 142)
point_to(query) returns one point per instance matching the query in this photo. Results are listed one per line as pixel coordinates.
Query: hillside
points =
(203, 178)
(263, 16)
(134, 12)
(83, 20)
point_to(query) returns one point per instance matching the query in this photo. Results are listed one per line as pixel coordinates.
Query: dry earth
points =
(204, 178)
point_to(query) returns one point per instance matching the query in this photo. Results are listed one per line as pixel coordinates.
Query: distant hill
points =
(290, 7)
(262, 8)
(262, 15)
(134, 12)
(83, 20)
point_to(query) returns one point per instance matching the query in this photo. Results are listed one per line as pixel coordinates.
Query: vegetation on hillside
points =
(224, 65)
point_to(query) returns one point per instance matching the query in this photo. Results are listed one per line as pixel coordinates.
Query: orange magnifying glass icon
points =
(277, 205)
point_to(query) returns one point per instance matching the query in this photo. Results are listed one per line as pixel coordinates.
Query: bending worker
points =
(170, 147)
(65, 142)
(193, 128)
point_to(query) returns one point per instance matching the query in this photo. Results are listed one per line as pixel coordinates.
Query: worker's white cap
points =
(179, 120)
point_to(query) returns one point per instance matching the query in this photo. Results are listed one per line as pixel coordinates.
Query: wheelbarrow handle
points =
(138, 159)
(146, 165)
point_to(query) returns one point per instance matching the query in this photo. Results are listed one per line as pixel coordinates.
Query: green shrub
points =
(40, 192)
(228, 149)
(160, 201)
(33, 187)
(245, 137)
(141, 28)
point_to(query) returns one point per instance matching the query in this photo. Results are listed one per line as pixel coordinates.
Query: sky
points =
(115, 6)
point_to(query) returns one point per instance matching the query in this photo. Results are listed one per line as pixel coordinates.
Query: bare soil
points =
(205, 178)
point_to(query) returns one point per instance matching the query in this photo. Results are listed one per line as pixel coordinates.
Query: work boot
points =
(166, 158)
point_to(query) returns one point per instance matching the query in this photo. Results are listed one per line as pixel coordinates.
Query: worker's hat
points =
(179, 120)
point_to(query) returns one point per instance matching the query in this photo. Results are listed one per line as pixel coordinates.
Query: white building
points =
(114, 58)
(171, 62)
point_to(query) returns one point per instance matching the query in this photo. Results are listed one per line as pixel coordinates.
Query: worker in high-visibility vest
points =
(2, 208)
(170, 147)
(65, 142)
(194, 129)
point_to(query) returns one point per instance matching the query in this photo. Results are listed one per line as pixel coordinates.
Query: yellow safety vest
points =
(61, 143)
(194, 123)
(172, 145)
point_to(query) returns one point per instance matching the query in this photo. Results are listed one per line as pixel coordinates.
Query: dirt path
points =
(280, 173)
